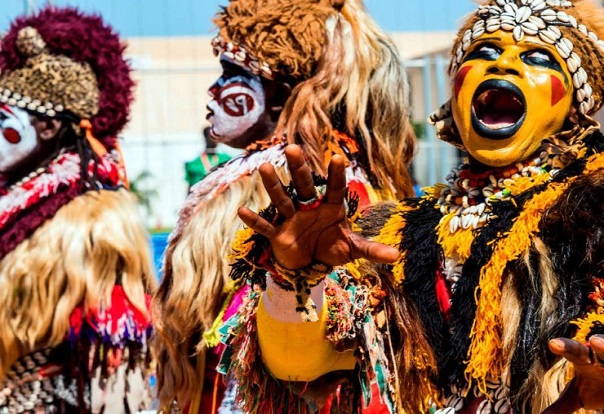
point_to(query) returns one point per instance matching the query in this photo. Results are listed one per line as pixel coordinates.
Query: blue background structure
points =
(193, 17)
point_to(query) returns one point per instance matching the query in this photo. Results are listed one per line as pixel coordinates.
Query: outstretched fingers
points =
(336, 181)
(256, 223)
(361, 248)
(300, 173)
(596, 343)
(572, 350)
(276, 191)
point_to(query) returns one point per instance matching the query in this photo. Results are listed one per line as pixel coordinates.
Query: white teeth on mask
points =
(266, 70)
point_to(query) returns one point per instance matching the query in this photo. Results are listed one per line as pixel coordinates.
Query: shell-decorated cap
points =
(573, 27)
(275, 38)
(48, 84)
(61, 62)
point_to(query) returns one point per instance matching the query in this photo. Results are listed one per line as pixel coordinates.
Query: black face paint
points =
(484, 51)
(543, 58)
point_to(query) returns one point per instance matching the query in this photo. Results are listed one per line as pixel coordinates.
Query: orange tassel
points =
(100, 150)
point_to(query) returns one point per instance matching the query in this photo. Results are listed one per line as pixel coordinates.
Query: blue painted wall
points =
(193, 17)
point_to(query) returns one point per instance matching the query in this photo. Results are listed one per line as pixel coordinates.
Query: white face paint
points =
(18, 137)
(238, 104)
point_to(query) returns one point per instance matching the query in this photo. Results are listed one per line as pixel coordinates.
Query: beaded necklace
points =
(469, 194)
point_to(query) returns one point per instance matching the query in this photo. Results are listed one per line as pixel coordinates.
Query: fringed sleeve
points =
(282, 363)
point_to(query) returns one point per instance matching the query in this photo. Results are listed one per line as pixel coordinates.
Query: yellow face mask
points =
(508, 96)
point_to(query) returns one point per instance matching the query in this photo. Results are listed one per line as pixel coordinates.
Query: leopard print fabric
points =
(49, 84)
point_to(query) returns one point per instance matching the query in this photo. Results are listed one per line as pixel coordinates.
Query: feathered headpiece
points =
(61, 62)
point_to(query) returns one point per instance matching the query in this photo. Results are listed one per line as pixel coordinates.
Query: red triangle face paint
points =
(558, 90)
(459, 79)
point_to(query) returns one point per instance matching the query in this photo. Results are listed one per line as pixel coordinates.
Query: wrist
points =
(302, 283)
(282, 305)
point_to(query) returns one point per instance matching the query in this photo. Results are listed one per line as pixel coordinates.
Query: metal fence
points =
(434, 158)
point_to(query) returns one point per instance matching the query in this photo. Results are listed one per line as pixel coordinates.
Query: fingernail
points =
(598, 340)
(557, 343)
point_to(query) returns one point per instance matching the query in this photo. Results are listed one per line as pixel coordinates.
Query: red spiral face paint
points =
(236, 99)
(237, 106)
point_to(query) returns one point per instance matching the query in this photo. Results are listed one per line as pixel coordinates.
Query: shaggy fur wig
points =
(346, 74)
(77, 257)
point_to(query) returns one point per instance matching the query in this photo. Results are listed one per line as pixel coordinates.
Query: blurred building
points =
(174, 67)
(174, 74)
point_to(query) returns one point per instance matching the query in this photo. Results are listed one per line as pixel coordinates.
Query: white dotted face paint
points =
(18, 137)
(238, 103)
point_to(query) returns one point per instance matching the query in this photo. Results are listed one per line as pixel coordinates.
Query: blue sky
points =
(193, 17)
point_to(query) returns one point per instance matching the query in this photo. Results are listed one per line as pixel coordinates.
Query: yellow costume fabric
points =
(286, 347)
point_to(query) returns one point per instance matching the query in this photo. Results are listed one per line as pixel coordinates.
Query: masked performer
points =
(75, 264)
(319, 73)
(498, 299)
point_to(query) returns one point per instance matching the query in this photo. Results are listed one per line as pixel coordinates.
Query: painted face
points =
(238, 110)
(508, 96)
(18, 139)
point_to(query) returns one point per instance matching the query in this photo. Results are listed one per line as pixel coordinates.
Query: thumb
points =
(361, 248)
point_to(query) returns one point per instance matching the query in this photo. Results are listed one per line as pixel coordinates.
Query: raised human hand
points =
(586, 389)
(312, 231)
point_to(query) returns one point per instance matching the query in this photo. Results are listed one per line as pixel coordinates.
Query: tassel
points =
(100, 150)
